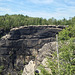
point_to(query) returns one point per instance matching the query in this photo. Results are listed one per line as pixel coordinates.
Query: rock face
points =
(46, 51)
(29, 69)
(41, 58)
(24, 44)
(3, 32)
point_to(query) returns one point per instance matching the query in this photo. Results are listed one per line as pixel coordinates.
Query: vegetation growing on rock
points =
(10, 21)
(66, 54)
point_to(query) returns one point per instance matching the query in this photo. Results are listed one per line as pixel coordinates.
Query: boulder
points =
(29, 69)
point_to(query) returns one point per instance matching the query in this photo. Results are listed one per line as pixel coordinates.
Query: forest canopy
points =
(10, 21)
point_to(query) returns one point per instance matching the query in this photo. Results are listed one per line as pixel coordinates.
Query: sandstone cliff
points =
(24, 44)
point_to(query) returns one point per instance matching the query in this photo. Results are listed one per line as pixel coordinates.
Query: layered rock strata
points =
(24, 44)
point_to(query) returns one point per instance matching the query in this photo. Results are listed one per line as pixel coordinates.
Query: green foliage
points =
(10, 21)
(66, 51)
(67, 58)
(66, 54)
(21, 71)
(43, 70)
(9, 74)
(24, 62)
(67, 33)
(1, 69)
(52, 64)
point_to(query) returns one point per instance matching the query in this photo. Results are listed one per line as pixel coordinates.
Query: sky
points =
(58, 9)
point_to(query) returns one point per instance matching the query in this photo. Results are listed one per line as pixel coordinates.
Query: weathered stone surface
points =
(29, 69)
(46, 51)
(3, 32)
(24, 44)
(44, 63)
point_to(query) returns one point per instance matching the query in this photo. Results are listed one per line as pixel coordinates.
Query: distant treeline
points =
(10, 21)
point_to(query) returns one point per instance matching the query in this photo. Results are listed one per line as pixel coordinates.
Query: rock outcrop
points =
(3, 31)
(29, 69)
(24, 44)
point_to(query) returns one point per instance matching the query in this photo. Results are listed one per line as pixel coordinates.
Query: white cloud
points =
(58, 14)
(60, 10)
(2, 9)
